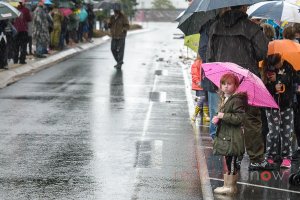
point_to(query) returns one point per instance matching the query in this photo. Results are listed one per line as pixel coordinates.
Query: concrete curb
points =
(10, 76)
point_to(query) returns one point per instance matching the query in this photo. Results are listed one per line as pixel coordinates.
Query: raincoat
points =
(57, 17)
(41, 26)
(234, 38)
(229, 140)
(196, 74)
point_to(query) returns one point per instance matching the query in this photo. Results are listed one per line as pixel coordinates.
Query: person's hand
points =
(215, 120)
(271, 76)
(220, 115)
(278, 87)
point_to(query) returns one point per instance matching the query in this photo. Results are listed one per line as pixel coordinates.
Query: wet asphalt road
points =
(82, 130)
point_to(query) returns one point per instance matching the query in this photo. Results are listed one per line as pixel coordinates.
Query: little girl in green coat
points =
(229, 140)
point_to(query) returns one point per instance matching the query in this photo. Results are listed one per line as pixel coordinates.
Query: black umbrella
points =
(105, 5)
(190, 23)
(7, 11)
(206, 5)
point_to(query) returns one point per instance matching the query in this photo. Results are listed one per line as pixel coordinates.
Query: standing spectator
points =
(279, 75)
(3, 45)
(269, 31)
(21, 39)
(229, 140)
(234, 38)
(91, 18)
(119, 25)
(72, 28)
(57, 18)
(41, 29)
(201, 107)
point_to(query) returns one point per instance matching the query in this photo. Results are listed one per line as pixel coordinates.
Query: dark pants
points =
(3, 54)
(117, 49)
(253, 138)
(297, 119)
(20, 47)
(264, 128)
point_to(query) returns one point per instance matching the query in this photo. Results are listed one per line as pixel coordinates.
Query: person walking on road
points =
(119, 25)
(229, 140)
(234, 38)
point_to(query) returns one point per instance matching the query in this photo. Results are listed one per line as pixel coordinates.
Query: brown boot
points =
(230, 186)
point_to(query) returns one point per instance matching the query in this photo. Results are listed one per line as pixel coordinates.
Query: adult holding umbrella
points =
(234, 38)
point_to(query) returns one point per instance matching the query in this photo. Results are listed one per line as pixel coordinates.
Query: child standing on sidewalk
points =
(202, 106)
(229, 140)
(279, 81)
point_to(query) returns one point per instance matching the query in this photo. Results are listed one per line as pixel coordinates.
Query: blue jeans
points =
(213, 101)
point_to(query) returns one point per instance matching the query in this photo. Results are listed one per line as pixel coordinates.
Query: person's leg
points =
(114, 49)
(254, 141)
(16, 48)
(213, 101)
(23, 47)
(264, 128)
(296, 154)
(121, 49)
(199, 105)
(286, 130)
(273, 137)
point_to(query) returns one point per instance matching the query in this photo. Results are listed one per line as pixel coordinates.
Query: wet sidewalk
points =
(251, 184)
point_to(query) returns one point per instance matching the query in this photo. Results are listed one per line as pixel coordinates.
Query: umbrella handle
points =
(282, 90)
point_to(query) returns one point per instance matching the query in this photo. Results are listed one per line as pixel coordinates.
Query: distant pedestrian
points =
(21, 39)
(234, 38)
(3, 45)
(229, 140)
(201, 106)
(41, 29)
(119, 25)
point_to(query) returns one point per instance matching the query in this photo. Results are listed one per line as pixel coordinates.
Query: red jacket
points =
(21, 23)
(196, 74)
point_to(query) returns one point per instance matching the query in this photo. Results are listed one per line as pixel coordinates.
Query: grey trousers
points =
(279, 138)
(117, 49)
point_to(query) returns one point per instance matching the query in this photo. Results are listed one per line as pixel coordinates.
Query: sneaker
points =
(270, 161)
(263, 165)
(286, 163)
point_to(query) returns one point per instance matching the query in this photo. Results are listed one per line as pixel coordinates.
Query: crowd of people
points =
(265, 133)
(48, 26)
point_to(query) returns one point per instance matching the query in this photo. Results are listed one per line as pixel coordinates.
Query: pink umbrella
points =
(66, 11)
(258, 94)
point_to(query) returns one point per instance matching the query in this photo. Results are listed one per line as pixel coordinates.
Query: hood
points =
(231, 17)
(242, 95)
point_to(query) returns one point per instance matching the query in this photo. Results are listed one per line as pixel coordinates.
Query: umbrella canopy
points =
(66, 11)
(289, 50)
(192, 42)
(7, 11)
(206, 5)
(258, 94)
(190, 23)
(105, 5)
(277, 10)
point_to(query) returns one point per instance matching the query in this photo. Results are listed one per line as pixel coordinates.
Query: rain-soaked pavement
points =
(82, 130)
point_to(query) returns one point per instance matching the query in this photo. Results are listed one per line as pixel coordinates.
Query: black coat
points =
(234, 38)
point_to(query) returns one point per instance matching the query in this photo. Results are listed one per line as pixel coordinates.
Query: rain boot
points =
(205, 113)
(196, 112)
(229, 187)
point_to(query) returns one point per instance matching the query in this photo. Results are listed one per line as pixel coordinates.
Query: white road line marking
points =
(200, 156)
